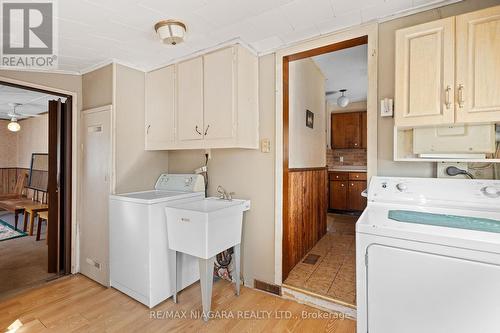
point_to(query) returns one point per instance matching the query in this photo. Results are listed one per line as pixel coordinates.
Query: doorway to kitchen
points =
(324, 167)
(35, 186)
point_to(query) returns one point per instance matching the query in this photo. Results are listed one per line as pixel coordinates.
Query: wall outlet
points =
(93, 263)
(441, 169)
(341, 159)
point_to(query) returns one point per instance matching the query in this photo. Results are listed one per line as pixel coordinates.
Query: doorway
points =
(318, 247)
(35, 198)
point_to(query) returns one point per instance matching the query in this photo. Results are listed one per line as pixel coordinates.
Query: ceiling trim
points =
(39, 70)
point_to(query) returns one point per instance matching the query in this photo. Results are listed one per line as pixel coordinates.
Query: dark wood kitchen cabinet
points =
(348, 130)
(345, 191)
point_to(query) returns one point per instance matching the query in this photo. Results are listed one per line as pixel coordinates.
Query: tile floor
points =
(334, 273)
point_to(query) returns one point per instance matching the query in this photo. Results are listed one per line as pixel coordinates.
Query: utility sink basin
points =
(204, 228)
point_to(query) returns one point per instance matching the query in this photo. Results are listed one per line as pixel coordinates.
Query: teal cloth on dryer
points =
(443, 220)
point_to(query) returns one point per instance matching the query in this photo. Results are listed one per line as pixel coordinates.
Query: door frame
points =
(75, 155)
(306, 49)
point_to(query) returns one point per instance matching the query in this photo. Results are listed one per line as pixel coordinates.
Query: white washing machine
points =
(140, 260)
(428, 256)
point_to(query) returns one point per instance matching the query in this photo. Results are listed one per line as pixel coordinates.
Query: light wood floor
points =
(77, 304)
(23, 261)
(334, 274)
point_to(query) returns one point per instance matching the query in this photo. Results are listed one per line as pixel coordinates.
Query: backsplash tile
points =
(352, 157)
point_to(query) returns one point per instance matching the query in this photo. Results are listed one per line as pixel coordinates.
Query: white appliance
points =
(140, 260)
(424, 276)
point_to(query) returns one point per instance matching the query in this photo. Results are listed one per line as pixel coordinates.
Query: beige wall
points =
(136, 169)
(32, 138)
(8, 146)
(97, 87)
(249, 173)
(307, 146)
(16, 148)
(386, 65)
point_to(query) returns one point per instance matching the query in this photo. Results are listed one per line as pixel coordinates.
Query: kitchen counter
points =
(348, 168)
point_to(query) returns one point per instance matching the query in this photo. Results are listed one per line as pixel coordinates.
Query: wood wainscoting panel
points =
(305, 222)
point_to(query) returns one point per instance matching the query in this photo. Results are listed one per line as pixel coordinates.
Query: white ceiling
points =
(93, 32)
(346, 69)
(33, 102)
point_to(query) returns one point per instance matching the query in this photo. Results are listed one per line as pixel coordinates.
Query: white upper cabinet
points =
(425, 72)
(216, 101)
(448, 71)
(160, 107)
(219, 81)
(190, 100)
(478, 66)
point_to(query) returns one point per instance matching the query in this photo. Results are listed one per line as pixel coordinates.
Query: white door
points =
(425, 74)
(160, 107)
(219, 94)
(190, 100)
(95, 190)
(478, 66)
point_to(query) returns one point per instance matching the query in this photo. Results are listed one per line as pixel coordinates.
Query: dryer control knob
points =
(492, 192)
(401, 187)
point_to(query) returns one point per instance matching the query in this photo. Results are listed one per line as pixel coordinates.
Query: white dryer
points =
(428, 256)
(140, 260)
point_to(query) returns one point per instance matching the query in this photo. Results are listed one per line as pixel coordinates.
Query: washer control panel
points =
(458, 193)
(180, 182)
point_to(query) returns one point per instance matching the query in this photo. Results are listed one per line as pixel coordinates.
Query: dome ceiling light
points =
(171, 32)
(343, 100)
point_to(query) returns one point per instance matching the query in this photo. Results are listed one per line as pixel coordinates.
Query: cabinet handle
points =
(448, 102)
(147, 129)
(206, 131)
(197, 130)
(352, 184)
(461, 100)
(355, 144)
(342, 185)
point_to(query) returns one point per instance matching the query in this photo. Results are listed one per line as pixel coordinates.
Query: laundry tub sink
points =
(204, 228)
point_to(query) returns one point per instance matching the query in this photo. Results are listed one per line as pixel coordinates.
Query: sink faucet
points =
(223, 194)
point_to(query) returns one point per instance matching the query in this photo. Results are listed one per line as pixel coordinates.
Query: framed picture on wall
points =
(309, 119)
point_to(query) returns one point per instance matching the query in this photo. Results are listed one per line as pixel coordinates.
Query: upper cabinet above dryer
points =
(448, 71)
(478, 66)
(215, 102)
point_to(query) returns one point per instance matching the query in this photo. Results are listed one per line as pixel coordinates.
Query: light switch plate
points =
(265, 145)
(386, 107)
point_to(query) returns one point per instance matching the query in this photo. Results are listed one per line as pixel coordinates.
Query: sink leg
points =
(236, 274)
(173, 277)
(206, 281)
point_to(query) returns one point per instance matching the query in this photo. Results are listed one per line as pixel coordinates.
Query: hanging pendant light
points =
(343, 100)
(13, 126)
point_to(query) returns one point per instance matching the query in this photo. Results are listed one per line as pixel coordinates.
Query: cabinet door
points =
(478, 66)
(364, 130)
(190, 100)
(346, 130)
(338, 195)
(219, 95)
(160, 108)
(425, 74)
(354, 199)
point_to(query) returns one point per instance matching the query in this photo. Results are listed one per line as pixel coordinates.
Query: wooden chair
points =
(32, 209)
(42, 216)
(21, 184)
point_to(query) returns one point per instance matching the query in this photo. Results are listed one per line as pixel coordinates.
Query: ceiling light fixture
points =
(14, 126)
(171, 32)
(343, 100)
